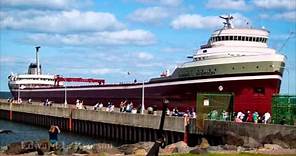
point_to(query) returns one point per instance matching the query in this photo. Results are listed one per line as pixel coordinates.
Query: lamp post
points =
(18, 93)
(65, 103)
(143, 98)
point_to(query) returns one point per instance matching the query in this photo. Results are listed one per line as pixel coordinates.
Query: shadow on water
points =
(23, 132)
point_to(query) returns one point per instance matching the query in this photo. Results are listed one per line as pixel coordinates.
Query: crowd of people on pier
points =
(239, 117)
(253, 117)
(129, 107)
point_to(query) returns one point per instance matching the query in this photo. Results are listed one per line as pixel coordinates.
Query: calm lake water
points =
(23, 132)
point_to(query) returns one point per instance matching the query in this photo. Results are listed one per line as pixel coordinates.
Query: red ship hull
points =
(182, 94)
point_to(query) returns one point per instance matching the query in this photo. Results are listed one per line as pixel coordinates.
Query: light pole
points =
(143, 98)
(65, 103)
(18, 93)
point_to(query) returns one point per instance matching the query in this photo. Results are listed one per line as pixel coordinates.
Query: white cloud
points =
(227, 4)
(144, 56)
(59, 22)
(287, 16)
(150, 15)
(196, 21)
(123, 37)
(275, 4)
(41, 4)
(171, 3)
(103, 71)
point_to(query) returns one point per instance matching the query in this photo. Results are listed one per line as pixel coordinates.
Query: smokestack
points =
(37, 60)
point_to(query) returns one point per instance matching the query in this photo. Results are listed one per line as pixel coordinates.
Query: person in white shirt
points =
(101, 106)
(266, 117)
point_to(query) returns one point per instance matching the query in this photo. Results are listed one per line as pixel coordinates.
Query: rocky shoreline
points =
(40, 147)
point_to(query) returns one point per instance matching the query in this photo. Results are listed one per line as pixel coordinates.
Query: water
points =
(23, 132)
(5, 95)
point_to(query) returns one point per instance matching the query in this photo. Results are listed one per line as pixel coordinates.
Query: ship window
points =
(219, 38)
(257, 67)
(226, 37)
(243, 38)
(254, 39)
(239, 38)
(257, 39)
(223, 38)
(235, 38)
(231, 37)
(250, 39)
(259, 90)
(204, 51)
(247, 38)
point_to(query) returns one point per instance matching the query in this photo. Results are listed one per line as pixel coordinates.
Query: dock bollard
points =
(10, 111)
(70, 120)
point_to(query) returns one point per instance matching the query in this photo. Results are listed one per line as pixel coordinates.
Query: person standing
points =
(266, 117)
(53, 136)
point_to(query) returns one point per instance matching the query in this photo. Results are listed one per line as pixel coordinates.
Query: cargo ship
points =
(235, 61)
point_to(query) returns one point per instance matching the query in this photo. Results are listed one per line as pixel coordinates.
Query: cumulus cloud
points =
(196, 21)
(150, 15)
(59, 22)
(276, 4)
(227, 4)
(289, 16)
(41, 4)
(171, 3)
(144, 56)
(103, 71)
(122, 37)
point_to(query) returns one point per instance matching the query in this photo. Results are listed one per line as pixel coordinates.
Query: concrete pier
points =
(129, 127)
(126, 127)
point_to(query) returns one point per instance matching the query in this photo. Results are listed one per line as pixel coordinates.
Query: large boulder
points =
(250, 142)
(131, 148)
(215, 148)
(286, 141)
(229, 147)
(290, 139)
(178, 147)
(204, 143)
(20, 147)
(272, 147)
(105, 148)
(232, 138)
(140, 152)
(72, 148)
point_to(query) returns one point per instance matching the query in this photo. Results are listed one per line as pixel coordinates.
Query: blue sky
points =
(108, 38)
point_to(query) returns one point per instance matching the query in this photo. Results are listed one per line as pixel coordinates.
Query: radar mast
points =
(227, 23)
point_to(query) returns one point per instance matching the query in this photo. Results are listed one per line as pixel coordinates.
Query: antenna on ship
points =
(37, 59)
(227, 24)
